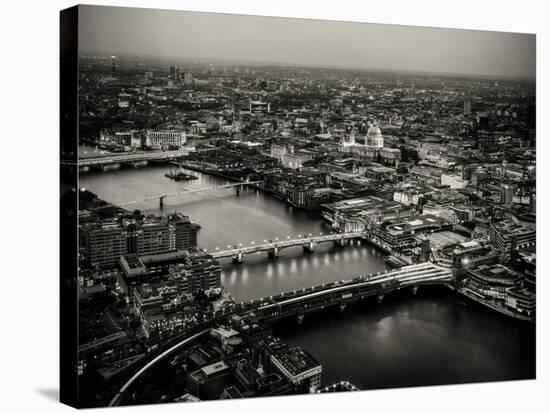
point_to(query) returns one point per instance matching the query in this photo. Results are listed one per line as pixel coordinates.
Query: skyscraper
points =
(467, 106)
(174, 73)
(113, 65)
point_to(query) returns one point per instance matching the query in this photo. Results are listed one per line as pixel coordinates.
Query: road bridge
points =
(274, 247)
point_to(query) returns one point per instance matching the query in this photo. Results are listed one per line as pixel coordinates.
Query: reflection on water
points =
(433, 338)
(259, 276)
(228, 219)
(430, 339)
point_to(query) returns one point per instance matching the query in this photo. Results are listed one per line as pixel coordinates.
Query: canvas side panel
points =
(69, 206)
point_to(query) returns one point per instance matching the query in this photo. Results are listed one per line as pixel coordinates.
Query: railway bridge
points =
(297, 304)
(116, 160)
(345, 292)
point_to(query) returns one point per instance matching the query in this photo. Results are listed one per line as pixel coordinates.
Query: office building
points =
(174, 74)
(300, 368)
(105, 242)
(491, 282)
(208, 383)
(199, 272)
(508, 235)
(467, 107)
(165, 139)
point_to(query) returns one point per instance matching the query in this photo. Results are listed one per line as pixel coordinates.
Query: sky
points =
(182, 35)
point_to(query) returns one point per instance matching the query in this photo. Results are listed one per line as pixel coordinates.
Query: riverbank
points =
(403, 342)
(462, 293)
(201, 169)
(496, 307)
(91, 202)
(432, 338)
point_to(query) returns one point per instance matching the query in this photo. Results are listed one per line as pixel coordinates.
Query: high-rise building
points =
(174, 73)
(113, 65)
(188, 78)
(105, 242)
(507, 193)
(467, 106)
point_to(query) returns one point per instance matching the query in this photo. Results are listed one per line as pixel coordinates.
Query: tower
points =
(352, 137)
(174, 73)
(467, 106)
(113, 65)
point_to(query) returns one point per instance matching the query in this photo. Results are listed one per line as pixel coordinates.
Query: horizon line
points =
(244, 62)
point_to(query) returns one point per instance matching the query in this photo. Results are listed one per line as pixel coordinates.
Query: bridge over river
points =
(115, 160)
(236, 185)
(297, 304)
(273, 247)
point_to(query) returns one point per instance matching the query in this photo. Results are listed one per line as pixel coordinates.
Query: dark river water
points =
(434, 337)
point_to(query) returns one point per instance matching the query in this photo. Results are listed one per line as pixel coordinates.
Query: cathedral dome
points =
(374, 131)
(374, 137)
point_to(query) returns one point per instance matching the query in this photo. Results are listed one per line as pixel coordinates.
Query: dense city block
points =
(435, 172)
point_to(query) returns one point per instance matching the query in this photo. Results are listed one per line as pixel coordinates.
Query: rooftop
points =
(296, 361)
(417, 224)
(363, 203)
(495, 273)
(509, 228)
(215, 368)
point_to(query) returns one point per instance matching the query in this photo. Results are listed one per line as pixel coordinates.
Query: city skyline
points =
(236, 230)
(282, 41)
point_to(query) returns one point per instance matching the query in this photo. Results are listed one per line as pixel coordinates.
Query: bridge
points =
(115, 400)
(345, 292)
(161, 197)
(300, 302)
(273, 247)
(139, 158)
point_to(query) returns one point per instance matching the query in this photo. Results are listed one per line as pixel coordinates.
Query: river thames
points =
(432, 338)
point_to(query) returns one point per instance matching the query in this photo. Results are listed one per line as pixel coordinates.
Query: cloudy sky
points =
(190, 35)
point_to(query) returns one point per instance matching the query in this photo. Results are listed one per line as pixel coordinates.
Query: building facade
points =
(165, 139)
(104, 243)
